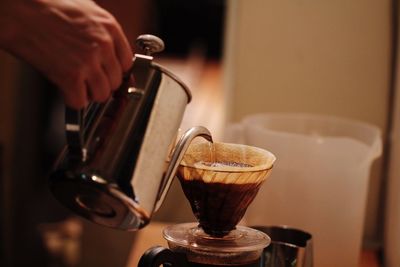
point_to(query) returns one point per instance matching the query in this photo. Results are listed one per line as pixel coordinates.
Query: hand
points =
(76, 44)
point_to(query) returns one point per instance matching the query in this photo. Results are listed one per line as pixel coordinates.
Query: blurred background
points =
(239, 58)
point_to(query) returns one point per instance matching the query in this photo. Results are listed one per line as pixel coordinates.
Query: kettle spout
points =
(177, 157)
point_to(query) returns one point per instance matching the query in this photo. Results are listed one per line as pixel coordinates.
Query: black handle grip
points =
(81, 124)
(158, 255)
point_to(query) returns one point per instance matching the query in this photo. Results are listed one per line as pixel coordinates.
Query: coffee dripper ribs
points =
(220, 191)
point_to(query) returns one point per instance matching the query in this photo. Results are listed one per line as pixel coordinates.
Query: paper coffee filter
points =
(193, 164)
(259, 159)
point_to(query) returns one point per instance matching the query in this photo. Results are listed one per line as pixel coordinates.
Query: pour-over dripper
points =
(220, 181)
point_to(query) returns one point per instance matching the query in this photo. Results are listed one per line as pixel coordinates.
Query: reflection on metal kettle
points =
(114, 169)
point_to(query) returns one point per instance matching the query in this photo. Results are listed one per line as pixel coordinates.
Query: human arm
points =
(76, 44)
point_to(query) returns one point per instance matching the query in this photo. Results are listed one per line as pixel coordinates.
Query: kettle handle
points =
(157, 256)
(177, 157)
(80, 124)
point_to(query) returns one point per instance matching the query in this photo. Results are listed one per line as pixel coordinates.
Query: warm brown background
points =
(318, 53)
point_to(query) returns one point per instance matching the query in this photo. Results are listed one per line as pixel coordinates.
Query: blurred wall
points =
(8, 66)
(326, 57)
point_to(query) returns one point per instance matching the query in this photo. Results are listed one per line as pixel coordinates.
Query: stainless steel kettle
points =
(118, 163)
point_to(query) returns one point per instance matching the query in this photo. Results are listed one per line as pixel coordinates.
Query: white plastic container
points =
(320, 179)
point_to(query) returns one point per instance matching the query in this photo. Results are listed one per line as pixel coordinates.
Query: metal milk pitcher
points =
(116, 169)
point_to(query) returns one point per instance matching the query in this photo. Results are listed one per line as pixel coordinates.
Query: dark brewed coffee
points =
(218, 206)
(225, 164)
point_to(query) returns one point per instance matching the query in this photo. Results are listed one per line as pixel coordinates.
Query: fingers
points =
(114, 57)
(98, 85)
(122, 47)
(76, 97)
(95, 82)
(112, 69)
(92, 72)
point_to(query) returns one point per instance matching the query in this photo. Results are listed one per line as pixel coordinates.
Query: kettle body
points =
(120, 157)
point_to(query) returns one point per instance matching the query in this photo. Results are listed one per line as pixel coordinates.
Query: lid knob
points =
(150, 44)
